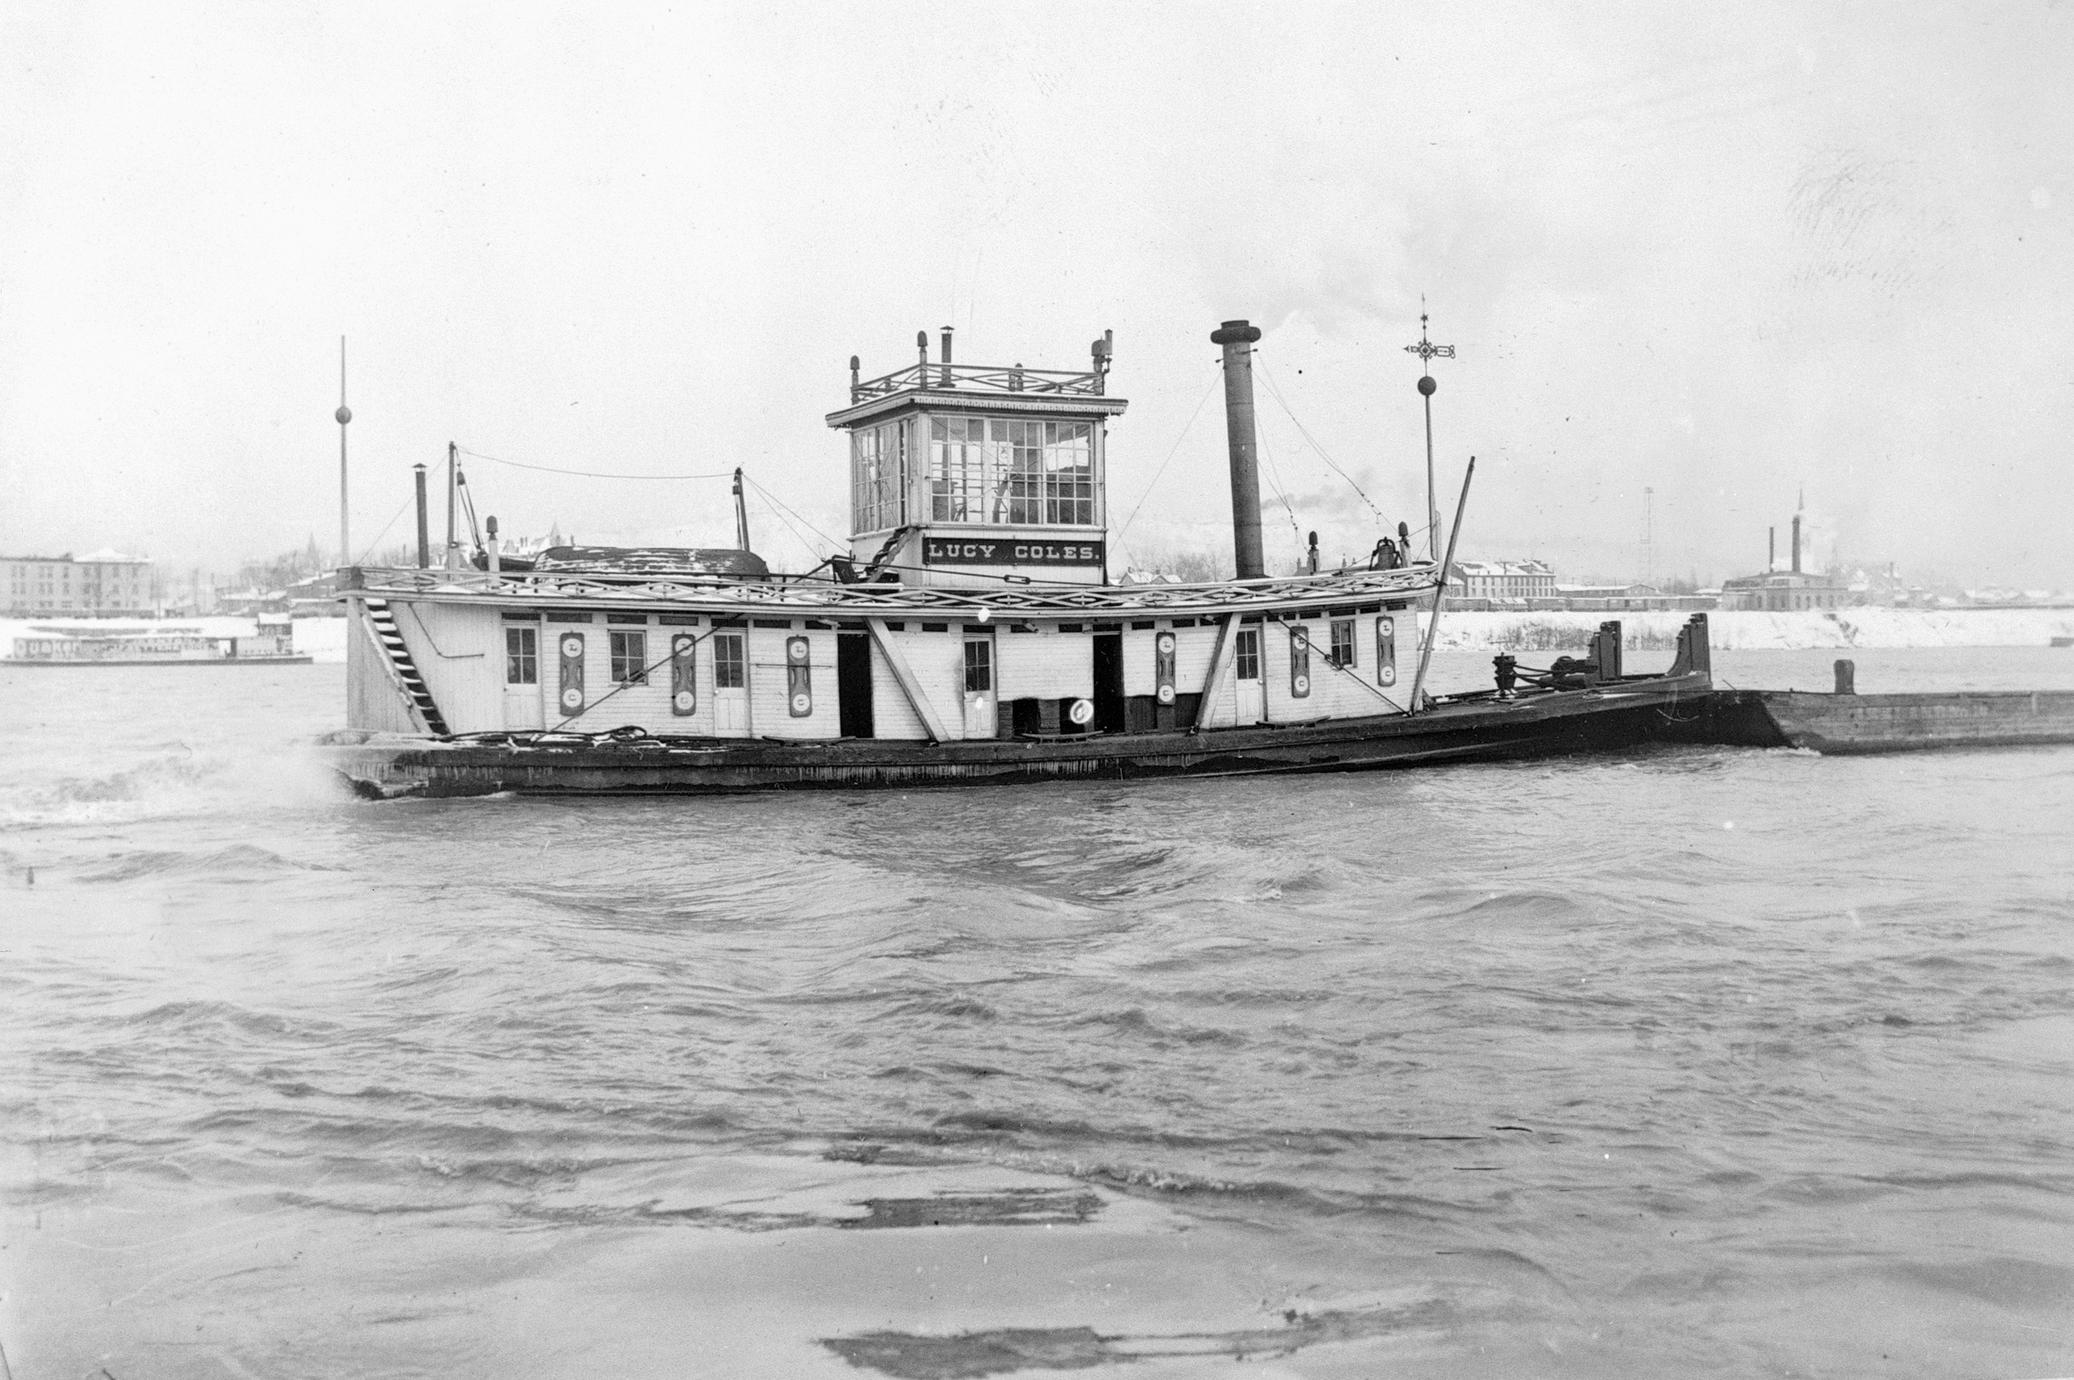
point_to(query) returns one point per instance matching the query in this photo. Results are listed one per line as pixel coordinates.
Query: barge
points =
(969, 634)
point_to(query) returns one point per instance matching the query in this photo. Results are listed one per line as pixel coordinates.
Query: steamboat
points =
(267, 641)
(969, 634)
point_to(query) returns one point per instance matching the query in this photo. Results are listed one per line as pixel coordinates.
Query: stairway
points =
(386, 632)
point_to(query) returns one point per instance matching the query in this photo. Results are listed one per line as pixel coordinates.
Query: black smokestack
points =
(1237, 338)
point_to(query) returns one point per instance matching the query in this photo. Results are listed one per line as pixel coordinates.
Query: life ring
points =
(802, 703)
(1165, 643)
(1301, 685)
(797, 649)
(1388, 676)
(572, 699)
(1081, 712)
(572, 646)
(1166, 694)
(684, 701)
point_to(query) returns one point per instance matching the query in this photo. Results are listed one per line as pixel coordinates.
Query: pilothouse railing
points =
(980, 377)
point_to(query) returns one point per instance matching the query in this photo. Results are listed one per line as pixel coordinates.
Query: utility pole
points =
(1427, 353)
(1648, 550)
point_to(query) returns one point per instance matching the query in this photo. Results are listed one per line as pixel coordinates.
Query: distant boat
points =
(969, 634)
(272, 643)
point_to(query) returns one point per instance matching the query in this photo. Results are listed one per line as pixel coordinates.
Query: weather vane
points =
(1427, 352)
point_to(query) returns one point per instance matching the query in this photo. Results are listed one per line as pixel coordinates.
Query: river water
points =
(1693, 1061)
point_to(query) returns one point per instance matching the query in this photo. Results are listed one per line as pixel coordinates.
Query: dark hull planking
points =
(1537, 724)
(1844, 724)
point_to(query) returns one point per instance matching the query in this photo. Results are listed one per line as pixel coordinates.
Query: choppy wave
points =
(1662, 1039)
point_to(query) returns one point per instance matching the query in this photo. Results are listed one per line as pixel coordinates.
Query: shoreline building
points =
(1780, 591)
(1501, 583)
(101, 584)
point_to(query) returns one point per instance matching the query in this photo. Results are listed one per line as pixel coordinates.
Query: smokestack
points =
(1237, 338)
(424, 532)
(1796, 543)
(1771, 548)
(947, 357)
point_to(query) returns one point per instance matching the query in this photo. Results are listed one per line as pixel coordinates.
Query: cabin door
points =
(981, 718)
(853, 684)
(1252, 690)
(731, 683)
(1111, 716)
(522, 676)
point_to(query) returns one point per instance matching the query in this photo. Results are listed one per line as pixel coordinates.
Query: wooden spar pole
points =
(1440, 590)
(453, 500)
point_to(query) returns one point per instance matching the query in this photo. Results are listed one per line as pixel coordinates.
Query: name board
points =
(1011, 551)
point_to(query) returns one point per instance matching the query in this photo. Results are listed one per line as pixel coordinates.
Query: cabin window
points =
(1342, 642)
(630, 658)
(979, 664)
(1011, 470)
(878, 477)
(522, 656)
(730, 662)
(1247, 654)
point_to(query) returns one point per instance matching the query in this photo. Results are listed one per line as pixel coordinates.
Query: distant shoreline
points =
(1751, 630)
(323, 638)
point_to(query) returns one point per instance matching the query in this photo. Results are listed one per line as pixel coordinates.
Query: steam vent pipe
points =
(1237, 338)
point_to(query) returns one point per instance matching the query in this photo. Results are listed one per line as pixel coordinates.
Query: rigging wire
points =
(1303, 431)
(784, 521)
(770, 497)
(468, 502)
(1185, 429)
(1274, 482)
(384, 532)
(587, 474)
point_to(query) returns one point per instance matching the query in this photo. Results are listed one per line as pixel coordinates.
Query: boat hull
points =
(1852, 724)
(1609, 717)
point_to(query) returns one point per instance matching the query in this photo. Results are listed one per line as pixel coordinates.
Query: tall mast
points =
(1427, 353)
(344, 415)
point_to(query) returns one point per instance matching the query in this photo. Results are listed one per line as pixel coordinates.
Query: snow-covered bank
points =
(1754, 631)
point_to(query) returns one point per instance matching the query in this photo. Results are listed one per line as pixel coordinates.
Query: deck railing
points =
(828, 599)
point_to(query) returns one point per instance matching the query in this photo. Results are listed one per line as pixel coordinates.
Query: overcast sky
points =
(1723, 253)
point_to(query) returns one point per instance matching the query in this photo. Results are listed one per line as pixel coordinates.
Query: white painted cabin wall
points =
(770, 710)
(1045, 665)
(459, 651)
(891, 716)
(937, 660)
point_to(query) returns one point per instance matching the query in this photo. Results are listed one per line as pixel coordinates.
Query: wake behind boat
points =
(970, 634)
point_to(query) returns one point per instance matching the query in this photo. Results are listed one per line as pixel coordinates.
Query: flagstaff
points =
(1427, 353)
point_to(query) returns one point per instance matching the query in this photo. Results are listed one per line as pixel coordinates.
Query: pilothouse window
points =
(1011, 471)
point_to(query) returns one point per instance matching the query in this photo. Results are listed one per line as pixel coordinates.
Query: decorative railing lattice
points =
(823, 599)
